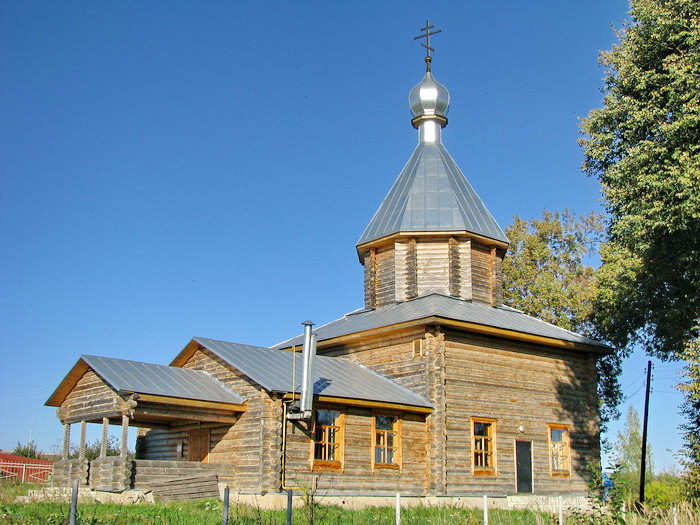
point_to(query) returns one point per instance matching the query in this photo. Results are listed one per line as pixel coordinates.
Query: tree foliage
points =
(92, 448)
(691, 411)
(27, 450)
(628, 446)
(644, 146)
(628, 455)
(546, 276)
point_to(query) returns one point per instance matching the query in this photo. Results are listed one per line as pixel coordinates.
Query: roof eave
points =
(67, 384)
(366, 403)
(470, 327)
(387, 239)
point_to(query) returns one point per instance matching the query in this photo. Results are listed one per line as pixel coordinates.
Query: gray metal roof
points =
(432, 194)
(333, 376)
(147, 378)
(437, 304)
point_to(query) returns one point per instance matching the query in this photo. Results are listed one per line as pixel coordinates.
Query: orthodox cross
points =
(428, 33)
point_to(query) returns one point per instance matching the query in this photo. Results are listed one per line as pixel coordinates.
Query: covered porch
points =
(108, 391)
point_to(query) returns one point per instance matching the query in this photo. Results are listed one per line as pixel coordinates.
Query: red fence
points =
(24, 470)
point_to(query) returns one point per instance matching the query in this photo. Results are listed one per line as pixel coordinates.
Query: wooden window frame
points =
(565, 472)
(398, 440)
(334, 465)
(479, 470)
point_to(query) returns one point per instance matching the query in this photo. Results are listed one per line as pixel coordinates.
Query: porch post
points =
(125, 434)
(66, 441)
(83, 435)
(105, 432)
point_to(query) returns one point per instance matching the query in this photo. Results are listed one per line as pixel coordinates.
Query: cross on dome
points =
(426, 45)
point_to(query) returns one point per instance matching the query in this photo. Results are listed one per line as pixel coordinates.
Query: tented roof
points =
(432, 194)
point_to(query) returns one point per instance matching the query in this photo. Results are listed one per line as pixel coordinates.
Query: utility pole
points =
(642, 474)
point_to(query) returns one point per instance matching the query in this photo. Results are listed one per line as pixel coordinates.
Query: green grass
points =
(210, 512)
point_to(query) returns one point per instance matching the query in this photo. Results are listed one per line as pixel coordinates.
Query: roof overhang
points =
(144, 407)
(67, 384)
(186, 353)
(466, 326)
(365, 403)
(390, 239)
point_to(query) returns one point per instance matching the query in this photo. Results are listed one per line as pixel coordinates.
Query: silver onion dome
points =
(429, 97)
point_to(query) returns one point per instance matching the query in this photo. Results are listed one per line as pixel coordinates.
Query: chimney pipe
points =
(307, 383)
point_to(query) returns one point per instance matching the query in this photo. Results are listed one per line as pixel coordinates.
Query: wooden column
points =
(105, 433)
(83, 435)
(125, 435)
(66, 441)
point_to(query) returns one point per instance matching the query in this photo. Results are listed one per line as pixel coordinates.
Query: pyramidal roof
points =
(431, 194)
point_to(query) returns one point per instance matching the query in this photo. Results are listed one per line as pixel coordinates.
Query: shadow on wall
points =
(578, 403)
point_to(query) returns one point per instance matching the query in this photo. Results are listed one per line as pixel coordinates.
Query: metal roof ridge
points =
(84, 356)
(365, 237)
(451, 164)
(199, 340)
(355, 312)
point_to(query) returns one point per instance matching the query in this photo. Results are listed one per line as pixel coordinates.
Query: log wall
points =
(251, 446)
(451, 265)
(433, 266)
(357, 475)
(482, 279)
(91, 399)
(386, 271)
(519, 384)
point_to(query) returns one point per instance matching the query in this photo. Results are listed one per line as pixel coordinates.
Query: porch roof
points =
(147, 378)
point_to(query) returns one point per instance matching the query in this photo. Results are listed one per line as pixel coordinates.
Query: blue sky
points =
(172, 169)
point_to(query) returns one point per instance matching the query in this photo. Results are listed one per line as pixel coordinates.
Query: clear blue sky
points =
(172, 169)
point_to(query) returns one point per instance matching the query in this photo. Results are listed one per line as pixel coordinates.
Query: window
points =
(483, 446)
(328, 439)
(387, 442)
(559, 450)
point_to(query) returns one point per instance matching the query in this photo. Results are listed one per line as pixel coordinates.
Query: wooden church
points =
(432, 388)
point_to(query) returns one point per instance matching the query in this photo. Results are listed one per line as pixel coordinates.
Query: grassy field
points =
(210, 512)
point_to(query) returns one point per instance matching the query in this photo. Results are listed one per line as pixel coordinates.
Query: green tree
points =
(644, 146)
(628, 455)
(92, 449)
(628, 445)
(691, 411)
(27, 450)
(546, 276)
